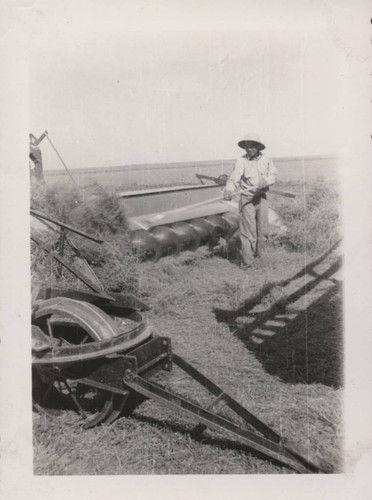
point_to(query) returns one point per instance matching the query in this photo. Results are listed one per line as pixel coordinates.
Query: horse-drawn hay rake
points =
(95, 352)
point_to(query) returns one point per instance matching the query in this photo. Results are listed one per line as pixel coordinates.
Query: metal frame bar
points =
(72, 270)
(230, 402)
(120, 373)
(216, 422)
(74, 248)
(271, 444)
(163, 190)
(247, 416)
(40, 215)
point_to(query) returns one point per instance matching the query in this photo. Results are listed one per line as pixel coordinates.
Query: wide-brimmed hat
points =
(252, 139)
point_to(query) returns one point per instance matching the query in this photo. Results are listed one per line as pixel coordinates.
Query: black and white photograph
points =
(186, 250)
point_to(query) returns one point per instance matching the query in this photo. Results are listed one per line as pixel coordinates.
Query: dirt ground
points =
(271, 336)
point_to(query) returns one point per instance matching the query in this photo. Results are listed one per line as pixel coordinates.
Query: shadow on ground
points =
(208, 439)
(298, 346)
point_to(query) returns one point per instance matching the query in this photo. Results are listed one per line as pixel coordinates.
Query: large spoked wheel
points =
(66, 323)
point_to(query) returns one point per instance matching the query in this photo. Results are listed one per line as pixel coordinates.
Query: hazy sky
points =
(112, 98)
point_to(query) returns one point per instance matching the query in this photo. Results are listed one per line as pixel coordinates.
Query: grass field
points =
(270, 336)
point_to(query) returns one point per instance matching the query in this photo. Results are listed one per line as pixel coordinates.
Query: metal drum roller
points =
(217, 228)
(207, 231)
(145, 244)
(167, 239)
(188, 236)
(232, 219)
(201, 228)
(220, 223)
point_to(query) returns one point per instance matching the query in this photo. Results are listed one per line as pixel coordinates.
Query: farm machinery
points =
(95, 352)
(186, 228)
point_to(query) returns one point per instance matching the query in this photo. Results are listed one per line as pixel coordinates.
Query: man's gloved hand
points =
(227, 195)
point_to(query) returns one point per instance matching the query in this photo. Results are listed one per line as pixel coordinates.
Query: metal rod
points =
(38, 214)
(282, 193)
(76, 250)
(72, 270)
(162, 190)
(213, 406)
(153, 361)
(234, 405)
(109, 388)
(38, 141)
(220, 181)
(63, 163)
(85, 263)
(61, 249)
(246, 415)
(62, 241)
(75, 400)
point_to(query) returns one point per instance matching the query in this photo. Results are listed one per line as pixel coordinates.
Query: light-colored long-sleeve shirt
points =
(247, 174)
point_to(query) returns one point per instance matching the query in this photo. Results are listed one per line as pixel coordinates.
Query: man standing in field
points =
(254, 172)
(35, 156)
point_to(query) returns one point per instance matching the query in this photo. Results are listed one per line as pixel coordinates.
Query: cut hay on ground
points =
(198, 309)
(271, 337)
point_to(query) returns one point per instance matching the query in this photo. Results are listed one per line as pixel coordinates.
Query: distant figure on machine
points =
(254, 172)
(35, 156)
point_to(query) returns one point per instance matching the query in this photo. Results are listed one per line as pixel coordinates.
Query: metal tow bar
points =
(270, 444)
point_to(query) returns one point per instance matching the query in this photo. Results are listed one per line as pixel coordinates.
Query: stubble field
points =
(270, 336)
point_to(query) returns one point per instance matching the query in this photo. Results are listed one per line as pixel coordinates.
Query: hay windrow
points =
(313, 219)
